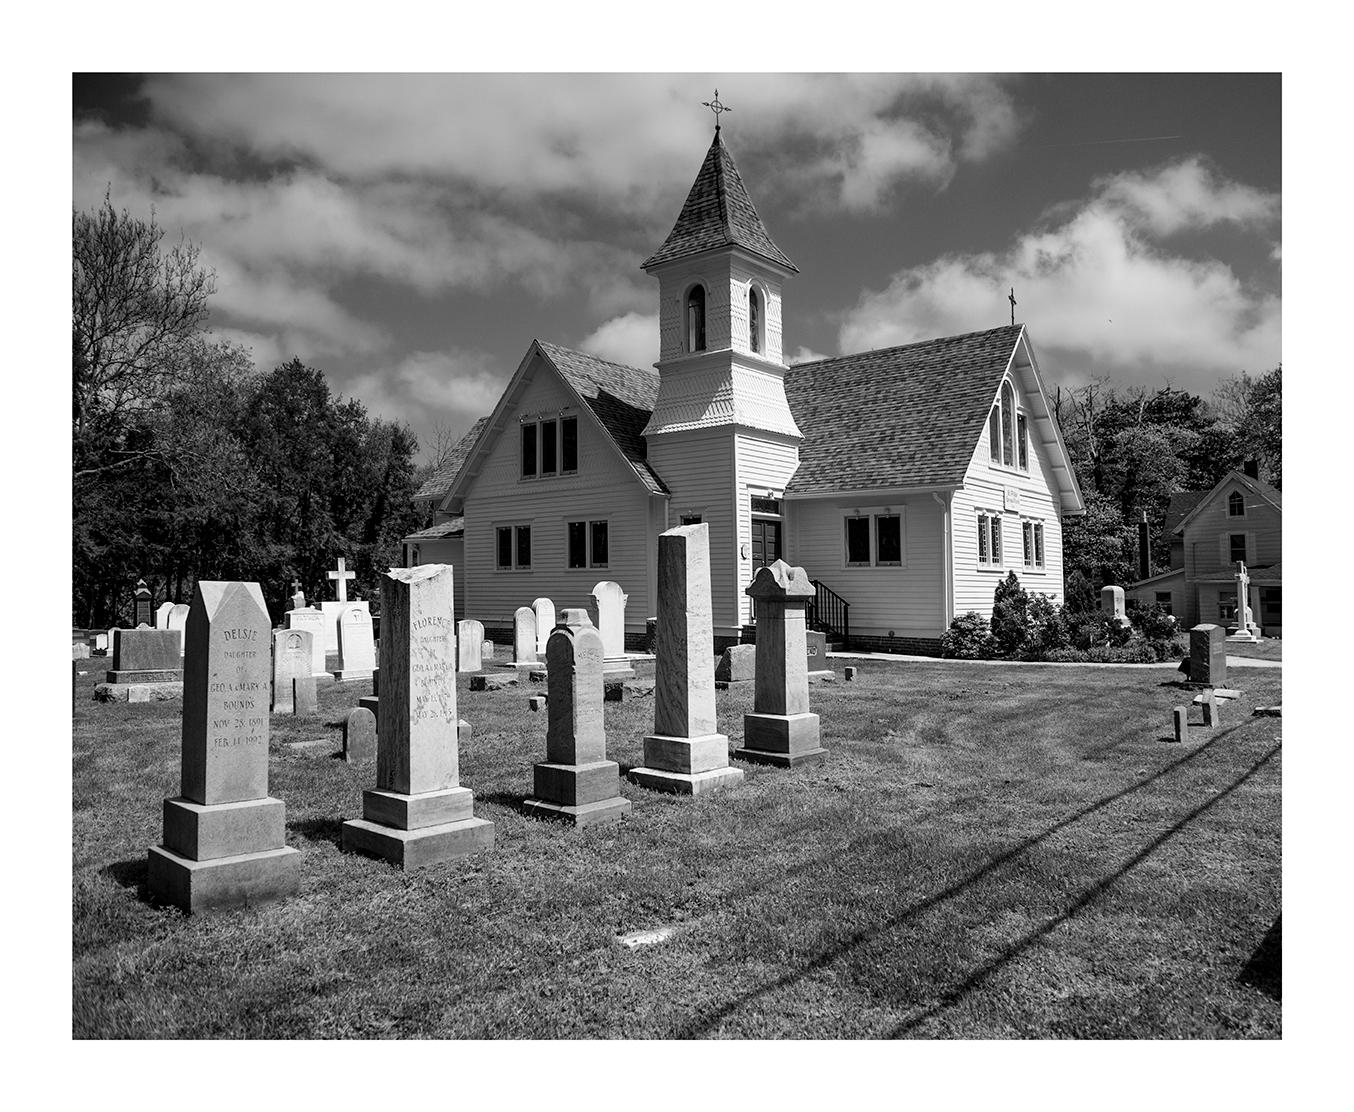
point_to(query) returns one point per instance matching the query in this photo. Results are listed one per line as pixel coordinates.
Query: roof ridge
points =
(649, 371)
(903, 347)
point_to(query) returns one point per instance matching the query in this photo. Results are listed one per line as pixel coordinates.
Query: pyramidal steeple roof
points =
(718, 213)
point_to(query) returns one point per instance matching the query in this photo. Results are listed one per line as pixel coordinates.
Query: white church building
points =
(907, 481)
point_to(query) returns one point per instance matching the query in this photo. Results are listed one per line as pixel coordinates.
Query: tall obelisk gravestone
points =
(224, 836)
(418, 814)
(684, 753)
(781, 730)
(576, 782)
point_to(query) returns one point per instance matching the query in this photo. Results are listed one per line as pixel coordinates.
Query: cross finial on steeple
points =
(716, 106)
(1012, 300)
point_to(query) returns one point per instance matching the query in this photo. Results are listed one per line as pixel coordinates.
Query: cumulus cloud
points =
(804, 354)
(1098, 286)
(631, 339)
(428, 386)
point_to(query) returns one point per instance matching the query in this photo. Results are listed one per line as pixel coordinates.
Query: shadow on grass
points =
(319, 830)
(1264, 970)
(701, 1026)
(129, 874)
(513, 800)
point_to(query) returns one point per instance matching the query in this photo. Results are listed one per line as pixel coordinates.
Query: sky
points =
(411, 234)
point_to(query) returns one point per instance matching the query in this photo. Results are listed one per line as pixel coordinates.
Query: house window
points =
(994, 434)
(549, 447)
(1227, 610)
(1271, 605)
(888, 537)
(989, 539)
(858, 542)
(568, 439)
(1022, 443)
(1236, 504)
(1032, 541)
(691, 519)
(529, 450)
(1236, 547)
(513, 541)
(588, 543)
(1039, 544)
(413, 555)
(1164, 600)
(695, 319)
(765, 505)
(754, 320)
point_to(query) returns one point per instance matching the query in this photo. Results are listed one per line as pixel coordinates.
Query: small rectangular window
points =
(1023, 443)
(1027, 538)
(568, 436)
(765, 505)
(1271, 604)
(996, 538)
(598, 537)
(691, 519)
(1164, 601)
(888, 539)
(578, 544)
(984, 556)
(994, 434)
(1237, 547)
(529, 450)
(1039, 545)
(549, 447)
(858, 541)
(505, 546)
(524, 546)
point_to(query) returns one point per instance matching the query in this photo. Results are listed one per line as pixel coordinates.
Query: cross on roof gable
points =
(718, 213)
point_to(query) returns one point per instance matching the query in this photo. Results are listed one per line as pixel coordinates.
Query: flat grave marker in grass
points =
(576, 783)
(224, 836)
(418, 814)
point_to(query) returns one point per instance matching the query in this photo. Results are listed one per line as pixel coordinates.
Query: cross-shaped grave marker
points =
(341, 578)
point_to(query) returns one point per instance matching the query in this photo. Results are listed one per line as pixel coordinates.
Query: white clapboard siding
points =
(907, 600)
(764, 462)
(1208, 534)
(985, 485)
(699, 469)
(604, 488)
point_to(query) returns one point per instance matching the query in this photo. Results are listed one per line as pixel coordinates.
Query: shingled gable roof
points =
(440, 481)
(1270, 494)
(718, 213)
(899, 417)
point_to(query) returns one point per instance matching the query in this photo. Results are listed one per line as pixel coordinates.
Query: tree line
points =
(188, 463)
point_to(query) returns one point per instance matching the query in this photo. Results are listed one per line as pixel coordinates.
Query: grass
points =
(1267, 648)
(988, 852)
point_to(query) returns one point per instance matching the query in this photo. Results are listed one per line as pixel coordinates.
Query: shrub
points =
(1079, 594)
(968, 638)
(1010, 626)
(1158, 628)
(1046, 624)
(1137, 652)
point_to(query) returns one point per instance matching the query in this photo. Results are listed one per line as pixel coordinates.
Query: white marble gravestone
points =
(224, 839)
(524, 635)
(781, 730)
(178, 619)
(469, 645)
(313, 622)
(545, 622)
(292, 658)
(357, 646)
(575, 782)
(1112, 604)
(685, 753)
(162, 615)
(418, 813)
(606, 608)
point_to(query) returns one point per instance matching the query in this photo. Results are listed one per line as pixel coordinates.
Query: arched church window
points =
(754, 320)
(1008, 452)
(695, 319)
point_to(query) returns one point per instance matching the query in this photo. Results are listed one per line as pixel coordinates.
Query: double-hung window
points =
(549, 447)
(1032, 540)
(512, 545)
(588, 543)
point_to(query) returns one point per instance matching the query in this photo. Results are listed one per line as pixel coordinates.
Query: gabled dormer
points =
(720, 274)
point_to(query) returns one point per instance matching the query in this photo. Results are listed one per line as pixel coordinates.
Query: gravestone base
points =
(483, 682)
(589, 814)
(198, 832)
(688, 766)
(784, 740)
(415, 830)
(241, 880)
(617, 668)
(343, 675)
(1242, 636)
(411, 849)
(820, 673)
(137, 692)
(371, 702)
(165, 675)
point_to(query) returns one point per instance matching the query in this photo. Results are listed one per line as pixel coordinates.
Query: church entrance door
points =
(765, 543)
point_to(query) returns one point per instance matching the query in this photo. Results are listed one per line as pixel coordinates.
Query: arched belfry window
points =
(695, 319)
(754, 320)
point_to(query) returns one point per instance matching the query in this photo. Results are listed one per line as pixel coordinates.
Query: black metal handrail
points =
(830, 613)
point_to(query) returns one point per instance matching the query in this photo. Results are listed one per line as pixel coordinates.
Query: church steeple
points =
(718, 213)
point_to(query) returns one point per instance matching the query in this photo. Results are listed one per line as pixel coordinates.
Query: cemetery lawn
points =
(988, 852)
